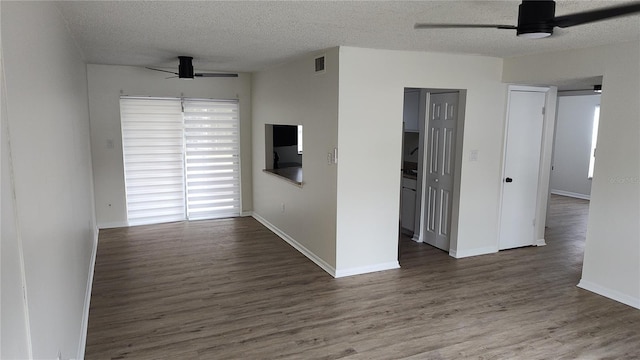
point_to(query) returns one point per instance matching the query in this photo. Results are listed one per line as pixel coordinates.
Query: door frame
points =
(418, 233)
(546, 150)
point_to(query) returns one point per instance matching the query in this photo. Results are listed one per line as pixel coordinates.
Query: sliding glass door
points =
(212, 161)
(181, 159)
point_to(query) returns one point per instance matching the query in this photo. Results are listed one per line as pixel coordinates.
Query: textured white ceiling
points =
(253, 35)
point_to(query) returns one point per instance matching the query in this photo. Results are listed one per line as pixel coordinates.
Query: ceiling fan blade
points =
(215, 75)
(170, 72)
(596, 15)
(463, 26)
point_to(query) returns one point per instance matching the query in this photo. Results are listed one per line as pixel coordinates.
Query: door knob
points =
(508, 179)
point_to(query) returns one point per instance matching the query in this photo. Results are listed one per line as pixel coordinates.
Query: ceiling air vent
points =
(319, 62)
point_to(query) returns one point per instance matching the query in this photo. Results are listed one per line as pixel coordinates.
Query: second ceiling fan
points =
(536, 18)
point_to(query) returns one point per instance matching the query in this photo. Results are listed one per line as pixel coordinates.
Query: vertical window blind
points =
(181, 159)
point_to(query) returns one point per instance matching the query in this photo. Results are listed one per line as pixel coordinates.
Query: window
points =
(181, 159)
(594, 139)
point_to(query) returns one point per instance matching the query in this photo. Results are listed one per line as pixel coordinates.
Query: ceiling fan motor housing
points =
(185, 69)
(536, 17)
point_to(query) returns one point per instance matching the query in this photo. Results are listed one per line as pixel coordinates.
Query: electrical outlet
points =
(329, 158)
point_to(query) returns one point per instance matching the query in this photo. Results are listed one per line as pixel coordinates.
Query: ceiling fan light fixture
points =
(535, 19)
(185, 69)
(534, 35)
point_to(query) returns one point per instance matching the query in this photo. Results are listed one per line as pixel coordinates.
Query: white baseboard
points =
(112, 225)
(247, 213)
(610, 293)
(367, 269)
(306, 252)
(473, 252)
(571, 194)
(87, 299)
(540, 242)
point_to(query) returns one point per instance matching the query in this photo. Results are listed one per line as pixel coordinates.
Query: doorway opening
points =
(564, 142)
(431, 157)
(574, 159)
(575, 141)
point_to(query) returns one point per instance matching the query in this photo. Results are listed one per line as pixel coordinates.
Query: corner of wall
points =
(296, 245)
(609, 293)
(367, 269)
(459, 254)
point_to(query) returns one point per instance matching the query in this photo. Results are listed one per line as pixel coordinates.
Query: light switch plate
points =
(473, 155)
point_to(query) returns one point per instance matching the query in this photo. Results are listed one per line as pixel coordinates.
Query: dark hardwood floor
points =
(230, 289)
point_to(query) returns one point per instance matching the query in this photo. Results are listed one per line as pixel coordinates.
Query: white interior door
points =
(525, 120)
(440, 135)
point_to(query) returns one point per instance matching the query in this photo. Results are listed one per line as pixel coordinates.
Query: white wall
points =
(13, 329)
(292, 94)
(107, 83)
(372, 84)
(52, 220)
(572, 145)
(612, 251)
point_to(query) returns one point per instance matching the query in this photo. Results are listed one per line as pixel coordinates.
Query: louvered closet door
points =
(152, 140)
(212, 158)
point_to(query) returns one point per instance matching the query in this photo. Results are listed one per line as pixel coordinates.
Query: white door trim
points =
(424, 121)
(546, 149)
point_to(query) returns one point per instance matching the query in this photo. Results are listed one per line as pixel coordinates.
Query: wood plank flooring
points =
(230, 289)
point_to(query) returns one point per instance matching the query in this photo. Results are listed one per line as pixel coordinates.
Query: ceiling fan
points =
(185, 70)
(536, 18)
